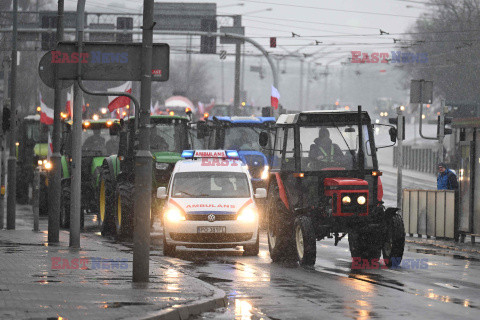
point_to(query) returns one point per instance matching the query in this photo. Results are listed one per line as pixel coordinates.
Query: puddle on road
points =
(211, 280)
(443, 254)
(112, 305)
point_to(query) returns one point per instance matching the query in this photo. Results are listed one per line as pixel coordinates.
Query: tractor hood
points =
(40, 149)
(166, 157)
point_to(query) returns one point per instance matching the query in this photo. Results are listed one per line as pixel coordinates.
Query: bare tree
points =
(197, 87)
(450, 37)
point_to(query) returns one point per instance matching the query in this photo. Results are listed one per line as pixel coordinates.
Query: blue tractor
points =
(241, 134)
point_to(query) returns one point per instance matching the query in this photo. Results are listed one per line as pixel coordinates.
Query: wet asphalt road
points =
(434, 283)
(431, 284)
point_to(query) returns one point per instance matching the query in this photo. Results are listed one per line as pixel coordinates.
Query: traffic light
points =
(48, 38)
(395, 122)
(447, 122)
(273, 42)
(124, 23)
(208, 44)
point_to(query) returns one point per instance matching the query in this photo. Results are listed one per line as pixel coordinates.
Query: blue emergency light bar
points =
(188, 154)
(232, 154)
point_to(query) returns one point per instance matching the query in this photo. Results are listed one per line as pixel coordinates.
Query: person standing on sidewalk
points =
(446, 180)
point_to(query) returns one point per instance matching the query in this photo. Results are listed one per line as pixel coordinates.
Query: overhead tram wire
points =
(330, 9)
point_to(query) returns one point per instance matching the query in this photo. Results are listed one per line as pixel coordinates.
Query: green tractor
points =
(100, 139)
(32, 151)
(169, 136)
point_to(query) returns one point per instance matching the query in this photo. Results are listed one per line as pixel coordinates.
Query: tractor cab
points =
(324, 182)
(326, 149)
(241, 134)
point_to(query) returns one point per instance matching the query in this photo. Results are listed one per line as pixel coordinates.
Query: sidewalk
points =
(36, 282)
(466, 247)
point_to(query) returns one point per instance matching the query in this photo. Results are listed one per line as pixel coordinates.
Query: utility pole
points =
(55, 191)
(189, 64)
(76, 178)
(143, 159)
(307, 94)
(302, 61)
(441, 131)
(6, 71)
(400, 130)
(12, 159)
(237, 22)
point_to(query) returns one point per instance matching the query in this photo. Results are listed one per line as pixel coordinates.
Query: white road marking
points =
(447, 285)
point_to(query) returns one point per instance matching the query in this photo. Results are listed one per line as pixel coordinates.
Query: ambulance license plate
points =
(215, 229)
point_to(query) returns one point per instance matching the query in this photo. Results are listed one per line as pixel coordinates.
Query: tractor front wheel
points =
(394, 243)
(364, 245)
(305, 241)
(279, 231)
(106, 197)
(124, 212)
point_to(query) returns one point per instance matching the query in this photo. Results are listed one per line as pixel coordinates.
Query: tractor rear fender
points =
(390, 212)
(65, 171)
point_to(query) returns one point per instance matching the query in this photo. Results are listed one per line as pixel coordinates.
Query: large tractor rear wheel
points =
(106, 207)
(394, 243)
(124, 210)
(279, 230)
(305, 241)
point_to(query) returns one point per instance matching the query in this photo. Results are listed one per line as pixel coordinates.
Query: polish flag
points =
(274, 98)
(115, 102)
(46, 114)
(69, 104)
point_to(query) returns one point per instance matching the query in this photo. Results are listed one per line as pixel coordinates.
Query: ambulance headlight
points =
(174, 215)
(247, 215)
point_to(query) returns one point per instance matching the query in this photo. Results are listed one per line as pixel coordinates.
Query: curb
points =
(442, 246)
(184, 312)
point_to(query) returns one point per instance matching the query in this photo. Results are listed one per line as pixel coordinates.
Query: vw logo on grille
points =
(211, 217)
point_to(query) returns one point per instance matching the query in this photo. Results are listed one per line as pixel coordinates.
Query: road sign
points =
(104, 62)
(234, 30)
(183, 16)
(46, 72)
(223, 54)
(273, 42)
(421, 91)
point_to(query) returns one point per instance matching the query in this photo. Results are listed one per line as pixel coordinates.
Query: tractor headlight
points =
(361, 200)
(346, 200)
(247, 215)
(265, 173)
(174, 215)
(47, 164)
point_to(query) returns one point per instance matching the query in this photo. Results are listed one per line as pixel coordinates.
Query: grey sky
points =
(342, 26)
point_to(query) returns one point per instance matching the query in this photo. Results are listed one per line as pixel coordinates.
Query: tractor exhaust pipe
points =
(361, 153)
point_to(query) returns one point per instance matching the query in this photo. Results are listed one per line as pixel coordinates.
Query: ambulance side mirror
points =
(162, 193)
(260, 193)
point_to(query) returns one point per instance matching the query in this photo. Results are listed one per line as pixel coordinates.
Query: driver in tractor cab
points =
(323, 150)
(157, 142)
(95, 142)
